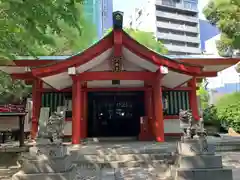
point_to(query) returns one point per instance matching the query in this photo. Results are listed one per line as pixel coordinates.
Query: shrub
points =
(228, 110)
(210, 116)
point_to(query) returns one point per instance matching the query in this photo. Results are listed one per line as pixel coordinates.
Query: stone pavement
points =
(230, 160)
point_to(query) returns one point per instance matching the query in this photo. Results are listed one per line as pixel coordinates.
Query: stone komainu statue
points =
(189, 125)
(55, 126)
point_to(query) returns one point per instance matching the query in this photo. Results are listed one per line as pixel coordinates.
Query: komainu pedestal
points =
(48, 159)
(196, 158)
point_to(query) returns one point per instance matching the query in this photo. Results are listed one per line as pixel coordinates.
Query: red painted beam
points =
(88, 76)
(211, 61)
(23, 76)
(171, 117)
(208, 74)
(177, 89)
(33, 63)
(117, 38)
(117, 89)
(28, 82)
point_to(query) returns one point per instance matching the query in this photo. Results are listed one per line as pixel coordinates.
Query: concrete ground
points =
(232, 160)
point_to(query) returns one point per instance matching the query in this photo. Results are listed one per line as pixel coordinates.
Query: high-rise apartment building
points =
(100, 13)
(174, 22)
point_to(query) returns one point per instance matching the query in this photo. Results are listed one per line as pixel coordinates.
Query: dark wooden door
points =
(115, 114)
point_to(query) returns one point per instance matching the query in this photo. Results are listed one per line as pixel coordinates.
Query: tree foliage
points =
(225, 14)
(32, 28)
(12, 91)
(210, 116)
(228, 110)
(38, 28)
(204, 96)
(147, 39)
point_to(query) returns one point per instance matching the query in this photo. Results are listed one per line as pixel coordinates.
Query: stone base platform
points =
(203, 174)
(68, 175)
(200, 162)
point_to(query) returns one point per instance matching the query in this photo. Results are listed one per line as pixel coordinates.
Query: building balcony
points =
(177, 27)
(187, 6)
(176, 16)
(183, 38)
(183, 49)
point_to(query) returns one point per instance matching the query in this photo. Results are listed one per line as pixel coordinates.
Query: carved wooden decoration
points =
(117, 64)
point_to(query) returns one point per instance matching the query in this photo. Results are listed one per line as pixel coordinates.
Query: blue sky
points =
(128, 5)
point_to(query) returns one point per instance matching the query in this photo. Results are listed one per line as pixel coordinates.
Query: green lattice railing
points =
(176, 100)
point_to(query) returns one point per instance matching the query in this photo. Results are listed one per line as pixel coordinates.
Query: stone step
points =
(124, 157)
(69, 175)
(48, 165)
(99, 150)
(124, 164)
(108, 139)
(92, 174)
(9, 171)
(205, 174)
(6, 177)
(199, 162)
(107, 174)
(142, 174)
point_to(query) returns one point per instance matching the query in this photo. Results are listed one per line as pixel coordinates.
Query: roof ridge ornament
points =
(117, 20)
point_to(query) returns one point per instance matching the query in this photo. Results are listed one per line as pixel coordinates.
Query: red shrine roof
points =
(107, 44)
(135, 57)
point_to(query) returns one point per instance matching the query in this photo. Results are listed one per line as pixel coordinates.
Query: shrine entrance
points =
(115, 114)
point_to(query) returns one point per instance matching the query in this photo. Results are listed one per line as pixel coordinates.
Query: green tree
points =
(228, 110)
(204, 96)
(147, 39)
(26, 24)
(42, 27)
(37, 28)
(225, 14)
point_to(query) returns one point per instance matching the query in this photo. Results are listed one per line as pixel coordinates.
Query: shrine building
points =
(117, 88)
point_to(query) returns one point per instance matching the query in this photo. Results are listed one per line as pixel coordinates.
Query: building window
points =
(178, 43)
(191, 34)
(190, 5)
(195, 45)
(169, 3)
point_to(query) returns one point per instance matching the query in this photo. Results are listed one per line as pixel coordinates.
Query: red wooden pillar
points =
(36, 106)
(83, 120)
(85, 103)
(153, 112)
(193, 98)
(76, 111)
(145, 128)
(158, 109)
(149, 111)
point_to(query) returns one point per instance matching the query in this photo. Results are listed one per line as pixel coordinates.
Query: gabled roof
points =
(108, 42)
